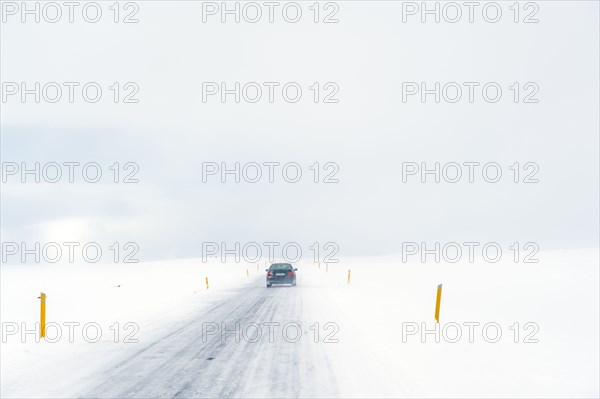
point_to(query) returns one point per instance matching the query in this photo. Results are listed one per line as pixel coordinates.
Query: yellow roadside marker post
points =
(348, 276)
(326, 267)
(206, 282)
(256, 266)
(42, 315)
(438, 299)
(247, 273)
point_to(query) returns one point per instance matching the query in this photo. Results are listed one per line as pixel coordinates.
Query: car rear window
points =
(281, 266)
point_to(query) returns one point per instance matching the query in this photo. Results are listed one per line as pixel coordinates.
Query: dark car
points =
(281, 273)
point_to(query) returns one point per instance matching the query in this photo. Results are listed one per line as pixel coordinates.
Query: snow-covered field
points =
(365, 350)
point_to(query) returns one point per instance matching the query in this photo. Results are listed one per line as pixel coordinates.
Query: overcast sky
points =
(369, 133)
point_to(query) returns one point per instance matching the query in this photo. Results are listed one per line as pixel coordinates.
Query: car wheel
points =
(268, 285)
(294, 283)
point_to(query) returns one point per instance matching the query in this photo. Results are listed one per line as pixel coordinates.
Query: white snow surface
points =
(170, 303)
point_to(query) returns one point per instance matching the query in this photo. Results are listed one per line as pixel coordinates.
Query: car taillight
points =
(270, 274)
(290, 273)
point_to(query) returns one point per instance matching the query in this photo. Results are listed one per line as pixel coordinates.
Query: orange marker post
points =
(438, 300)
(42, 315)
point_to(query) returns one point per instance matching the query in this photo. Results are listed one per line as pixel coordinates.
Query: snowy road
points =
(171, 306)
(182, 365)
